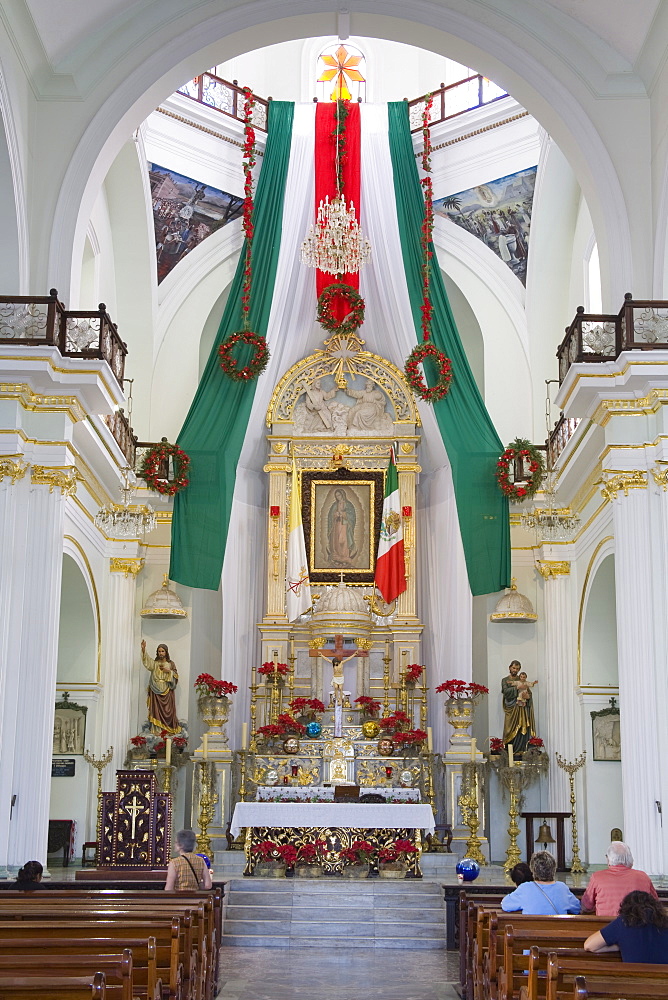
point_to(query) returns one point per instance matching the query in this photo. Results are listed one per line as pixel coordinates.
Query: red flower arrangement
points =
(271, 730)
(267, 849)
(153, 464)
(138, 741)
(462, 689)
(288, 854)
(413, 673)
(180, 742)
(415, 378)
(520, 448)
(336, 292)
(359, 852)
(496, 744)
(285, 725)
(311, 853)
(206, 685)
(536, 742)
(400, 849)
(257, 363)
(368, 705)
(396, 722)
(268, 668)
(409, 738)
(302, 705)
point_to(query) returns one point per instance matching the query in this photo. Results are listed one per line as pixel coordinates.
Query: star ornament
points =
(342, 68)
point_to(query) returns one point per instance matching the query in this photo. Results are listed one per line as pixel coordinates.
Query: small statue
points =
(161, 700)
(519, 723)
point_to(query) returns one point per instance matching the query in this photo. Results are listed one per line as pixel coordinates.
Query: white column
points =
(13, 506)
(558, 694)
(37, 664)
(638, 661)
(121, 658)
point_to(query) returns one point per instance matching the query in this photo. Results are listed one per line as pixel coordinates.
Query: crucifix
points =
(134, 809)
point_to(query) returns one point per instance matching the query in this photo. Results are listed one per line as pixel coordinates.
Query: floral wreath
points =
(353, 320)
(257, 363)
(520, 448)
(154, 458)
(415, 377)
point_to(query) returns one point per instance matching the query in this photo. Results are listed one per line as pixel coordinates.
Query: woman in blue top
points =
(640, 931)
(544, 895)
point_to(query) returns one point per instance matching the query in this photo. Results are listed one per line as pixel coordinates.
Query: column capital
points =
(127, 566)
(13, 467)
(660, 477)
(551, 567)
(63, 477)
(631, 479)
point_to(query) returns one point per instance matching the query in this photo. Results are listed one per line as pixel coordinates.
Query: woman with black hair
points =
(30, 876)
(521, 873)
(640, 931)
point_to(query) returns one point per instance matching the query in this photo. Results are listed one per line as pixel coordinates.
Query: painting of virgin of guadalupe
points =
(341, 525)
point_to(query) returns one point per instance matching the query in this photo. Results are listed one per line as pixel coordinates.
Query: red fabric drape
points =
(325, 177)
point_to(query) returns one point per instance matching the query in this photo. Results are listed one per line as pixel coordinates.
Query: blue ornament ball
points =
(207, 862)
(313, 729)
(467, 870)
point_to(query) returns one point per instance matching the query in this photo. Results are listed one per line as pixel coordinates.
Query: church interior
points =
(334, 351)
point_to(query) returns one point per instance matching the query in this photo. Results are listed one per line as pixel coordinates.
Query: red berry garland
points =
(414, 375)
(520, 448)
(257, 363)
(353, 320)
(153, 464)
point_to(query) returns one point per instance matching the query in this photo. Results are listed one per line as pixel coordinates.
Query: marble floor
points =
(336, 974)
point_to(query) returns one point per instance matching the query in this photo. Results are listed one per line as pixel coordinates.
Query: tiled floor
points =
(336, 974)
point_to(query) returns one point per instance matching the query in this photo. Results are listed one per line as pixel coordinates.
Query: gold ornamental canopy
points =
(513, 607)
(164, 603)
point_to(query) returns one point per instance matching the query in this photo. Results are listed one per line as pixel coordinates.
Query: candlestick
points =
(244, 736)
(205, 747)
(430, 740)
(511, 759)
(577, 868)
(168, 751)
(99, 764)
(473, 748)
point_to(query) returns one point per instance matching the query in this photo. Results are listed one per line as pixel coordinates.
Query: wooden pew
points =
(520, 942)
(468, 910)
(168, 935)
(535, 986)
(603, 979)
(117, 969)
(55, 988)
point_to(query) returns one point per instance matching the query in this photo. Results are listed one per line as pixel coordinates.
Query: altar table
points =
(339, 823)
(322, 793)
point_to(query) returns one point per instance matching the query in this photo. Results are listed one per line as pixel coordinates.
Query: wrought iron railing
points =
(226, 97)
(455, 99)
(32, 320)
(119, 425)
(560, 435)
(640, 325)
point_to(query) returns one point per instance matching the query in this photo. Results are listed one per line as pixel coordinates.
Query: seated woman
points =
(544, 895)
(188, 871)
(640, 931)
(521, 873)
(30, 876)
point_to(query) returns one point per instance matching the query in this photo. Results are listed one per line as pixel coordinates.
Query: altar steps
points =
(310, 913)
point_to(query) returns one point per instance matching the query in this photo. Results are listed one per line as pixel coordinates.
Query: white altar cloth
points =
(321, 793)
(361, 816)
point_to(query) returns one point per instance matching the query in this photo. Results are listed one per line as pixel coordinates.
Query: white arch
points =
(19, 200)
(484, 45)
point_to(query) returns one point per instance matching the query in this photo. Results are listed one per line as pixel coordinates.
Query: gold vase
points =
(215, 712)
(460, 716)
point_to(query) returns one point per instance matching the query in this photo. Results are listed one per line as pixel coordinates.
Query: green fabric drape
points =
(472, 444)
(214, 430)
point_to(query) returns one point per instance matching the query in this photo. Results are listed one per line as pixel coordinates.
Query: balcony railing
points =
(226, 97)
(560, 435)
(33, 320)
(455, 99)
(119, 425)
(640, 325)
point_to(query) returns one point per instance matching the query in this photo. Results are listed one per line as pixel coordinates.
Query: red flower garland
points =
(520, 448)
(427, 349)
(153, 463)
(257, 363)
(415, 378)
(353, 320)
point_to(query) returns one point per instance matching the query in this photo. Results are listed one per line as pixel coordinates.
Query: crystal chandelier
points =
(551, 523)
(336, 244)
(126, 520)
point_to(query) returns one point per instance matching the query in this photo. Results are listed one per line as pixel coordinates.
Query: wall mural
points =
(185, 212)
(499, 214)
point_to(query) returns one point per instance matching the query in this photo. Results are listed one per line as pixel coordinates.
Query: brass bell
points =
(545, 835)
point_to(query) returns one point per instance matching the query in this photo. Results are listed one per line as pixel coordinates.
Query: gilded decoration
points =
(13, 468)
(127, 566)
(635, 479)
(660, 477)
(336, 840)
(552, 567)
(32, 401)
(62, 477)
(351, 369)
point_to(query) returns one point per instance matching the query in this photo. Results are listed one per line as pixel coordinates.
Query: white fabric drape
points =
(443, 589)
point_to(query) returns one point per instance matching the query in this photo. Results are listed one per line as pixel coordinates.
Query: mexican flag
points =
(390, 564)
(462, 510)
(297, 584)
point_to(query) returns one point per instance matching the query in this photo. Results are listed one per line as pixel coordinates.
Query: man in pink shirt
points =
(608, 887)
